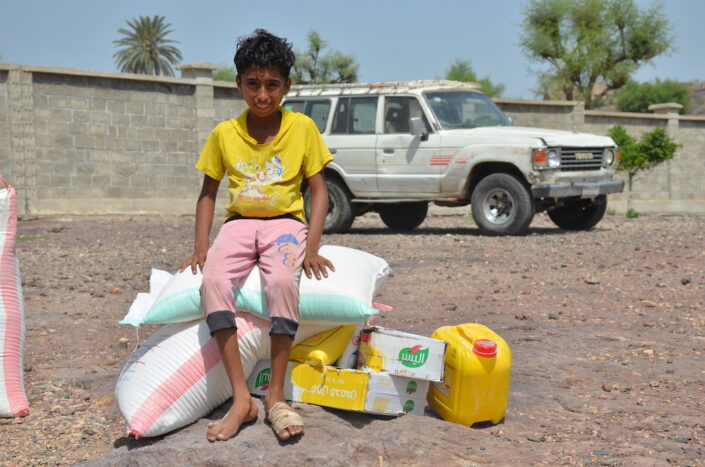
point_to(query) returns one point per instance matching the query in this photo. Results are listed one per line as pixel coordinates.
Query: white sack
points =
(13, 399)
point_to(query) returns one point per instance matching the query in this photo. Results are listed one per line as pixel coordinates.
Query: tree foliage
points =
(637, 97)
(646, 153)
(315, 67)
(589, 42)
(145, 48)
(461, 70)
(224, 73)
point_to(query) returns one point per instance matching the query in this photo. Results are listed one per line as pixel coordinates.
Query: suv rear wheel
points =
(340, 211)
(502, 205)
(582, 214)
(403, 216)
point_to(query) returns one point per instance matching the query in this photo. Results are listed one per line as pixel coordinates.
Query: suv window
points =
(316, 109)
(355, 115)
(462, 109)
(398, 111)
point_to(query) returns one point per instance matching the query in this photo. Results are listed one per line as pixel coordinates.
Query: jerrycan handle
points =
(467, 336)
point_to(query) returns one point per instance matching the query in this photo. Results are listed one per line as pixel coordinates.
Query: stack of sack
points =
(13, 399)
(176, 376)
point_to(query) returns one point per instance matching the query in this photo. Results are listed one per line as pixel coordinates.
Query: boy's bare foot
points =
(242, 411)
(285, 421)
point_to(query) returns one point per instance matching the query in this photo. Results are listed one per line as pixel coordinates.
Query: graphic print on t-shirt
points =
(259, 177)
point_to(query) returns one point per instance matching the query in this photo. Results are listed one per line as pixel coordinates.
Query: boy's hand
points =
(315, 265)
(196, 260)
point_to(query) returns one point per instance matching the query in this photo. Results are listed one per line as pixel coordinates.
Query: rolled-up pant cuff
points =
(283, 326)
(220, 320)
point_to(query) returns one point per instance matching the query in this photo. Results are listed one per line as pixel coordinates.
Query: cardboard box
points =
(401, 354)
(328, 386)
(394, 395)
(347, 389)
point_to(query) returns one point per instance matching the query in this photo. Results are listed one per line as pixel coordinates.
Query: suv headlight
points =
(546, 158)
(608, 157)
(553, 157)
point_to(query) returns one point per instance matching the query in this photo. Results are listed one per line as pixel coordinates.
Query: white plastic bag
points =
(177, 377)
(13, 399)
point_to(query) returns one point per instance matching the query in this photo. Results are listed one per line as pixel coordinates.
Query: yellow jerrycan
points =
(475, 385)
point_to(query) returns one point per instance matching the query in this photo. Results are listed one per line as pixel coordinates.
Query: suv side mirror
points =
(418, 128)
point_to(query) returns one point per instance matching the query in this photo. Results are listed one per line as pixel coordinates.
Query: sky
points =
(391, 39)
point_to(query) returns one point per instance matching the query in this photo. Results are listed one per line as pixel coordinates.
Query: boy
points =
(266, 153)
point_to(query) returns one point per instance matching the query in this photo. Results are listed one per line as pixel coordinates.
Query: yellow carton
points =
(475, 387)
(328, 386)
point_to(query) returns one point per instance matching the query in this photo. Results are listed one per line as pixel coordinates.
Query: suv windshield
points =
(465, 109)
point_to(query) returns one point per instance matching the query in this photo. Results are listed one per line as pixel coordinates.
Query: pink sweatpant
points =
(277, 246)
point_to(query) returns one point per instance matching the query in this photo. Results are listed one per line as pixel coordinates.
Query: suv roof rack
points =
(384, 87)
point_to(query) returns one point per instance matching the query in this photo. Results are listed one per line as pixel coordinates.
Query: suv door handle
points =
(333, 151)
(388, 150)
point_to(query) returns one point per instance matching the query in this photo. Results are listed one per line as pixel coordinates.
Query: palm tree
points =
(145, 47)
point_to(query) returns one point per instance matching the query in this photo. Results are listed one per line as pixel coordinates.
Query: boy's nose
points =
(262, 92)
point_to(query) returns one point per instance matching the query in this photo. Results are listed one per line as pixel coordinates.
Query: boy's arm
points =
(314, 264)
(204, 220)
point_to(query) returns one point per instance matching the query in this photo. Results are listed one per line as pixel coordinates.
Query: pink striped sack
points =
(176, 376)
(13, 399)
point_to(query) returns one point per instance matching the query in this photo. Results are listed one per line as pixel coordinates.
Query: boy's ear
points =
(237, 81)
(287, 85)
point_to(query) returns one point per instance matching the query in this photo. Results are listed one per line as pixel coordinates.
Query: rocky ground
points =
(607, 331)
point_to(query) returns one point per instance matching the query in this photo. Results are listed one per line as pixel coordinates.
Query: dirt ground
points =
(607, 328)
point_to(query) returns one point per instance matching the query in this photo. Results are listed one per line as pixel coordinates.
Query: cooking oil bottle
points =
(475, 385)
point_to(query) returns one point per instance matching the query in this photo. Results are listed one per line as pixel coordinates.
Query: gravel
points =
(606, 327)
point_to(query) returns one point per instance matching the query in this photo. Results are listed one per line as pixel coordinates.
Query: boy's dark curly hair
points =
(264, 49)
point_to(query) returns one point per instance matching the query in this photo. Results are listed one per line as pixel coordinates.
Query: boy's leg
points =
(230, 259)
(282, 245)
(244, 408)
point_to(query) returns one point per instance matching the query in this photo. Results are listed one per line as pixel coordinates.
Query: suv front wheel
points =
(502, 205)
(340, 214)
(581, 214)
(403, 216)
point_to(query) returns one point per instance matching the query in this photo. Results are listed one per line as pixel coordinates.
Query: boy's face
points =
(263, 89)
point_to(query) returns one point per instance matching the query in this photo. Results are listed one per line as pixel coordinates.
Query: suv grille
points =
(573, 159)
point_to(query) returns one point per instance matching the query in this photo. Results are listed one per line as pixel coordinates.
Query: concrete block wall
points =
(85, 142)
(100, 138)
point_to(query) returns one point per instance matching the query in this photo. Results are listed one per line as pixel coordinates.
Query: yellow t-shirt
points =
(265, 179)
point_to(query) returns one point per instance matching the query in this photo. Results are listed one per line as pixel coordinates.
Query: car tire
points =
(502, 205)
(403, 216)
(579, 215)
(340, 215)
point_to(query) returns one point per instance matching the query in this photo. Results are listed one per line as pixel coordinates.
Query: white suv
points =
(399, 145)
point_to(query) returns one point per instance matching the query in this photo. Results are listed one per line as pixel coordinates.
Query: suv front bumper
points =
(582, 189)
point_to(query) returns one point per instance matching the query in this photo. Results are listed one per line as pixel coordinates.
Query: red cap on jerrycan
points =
(485, 348)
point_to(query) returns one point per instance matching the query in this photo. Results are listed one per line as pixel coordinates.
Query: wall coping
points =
(692, 118)
(95, 74)
(635, 115)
